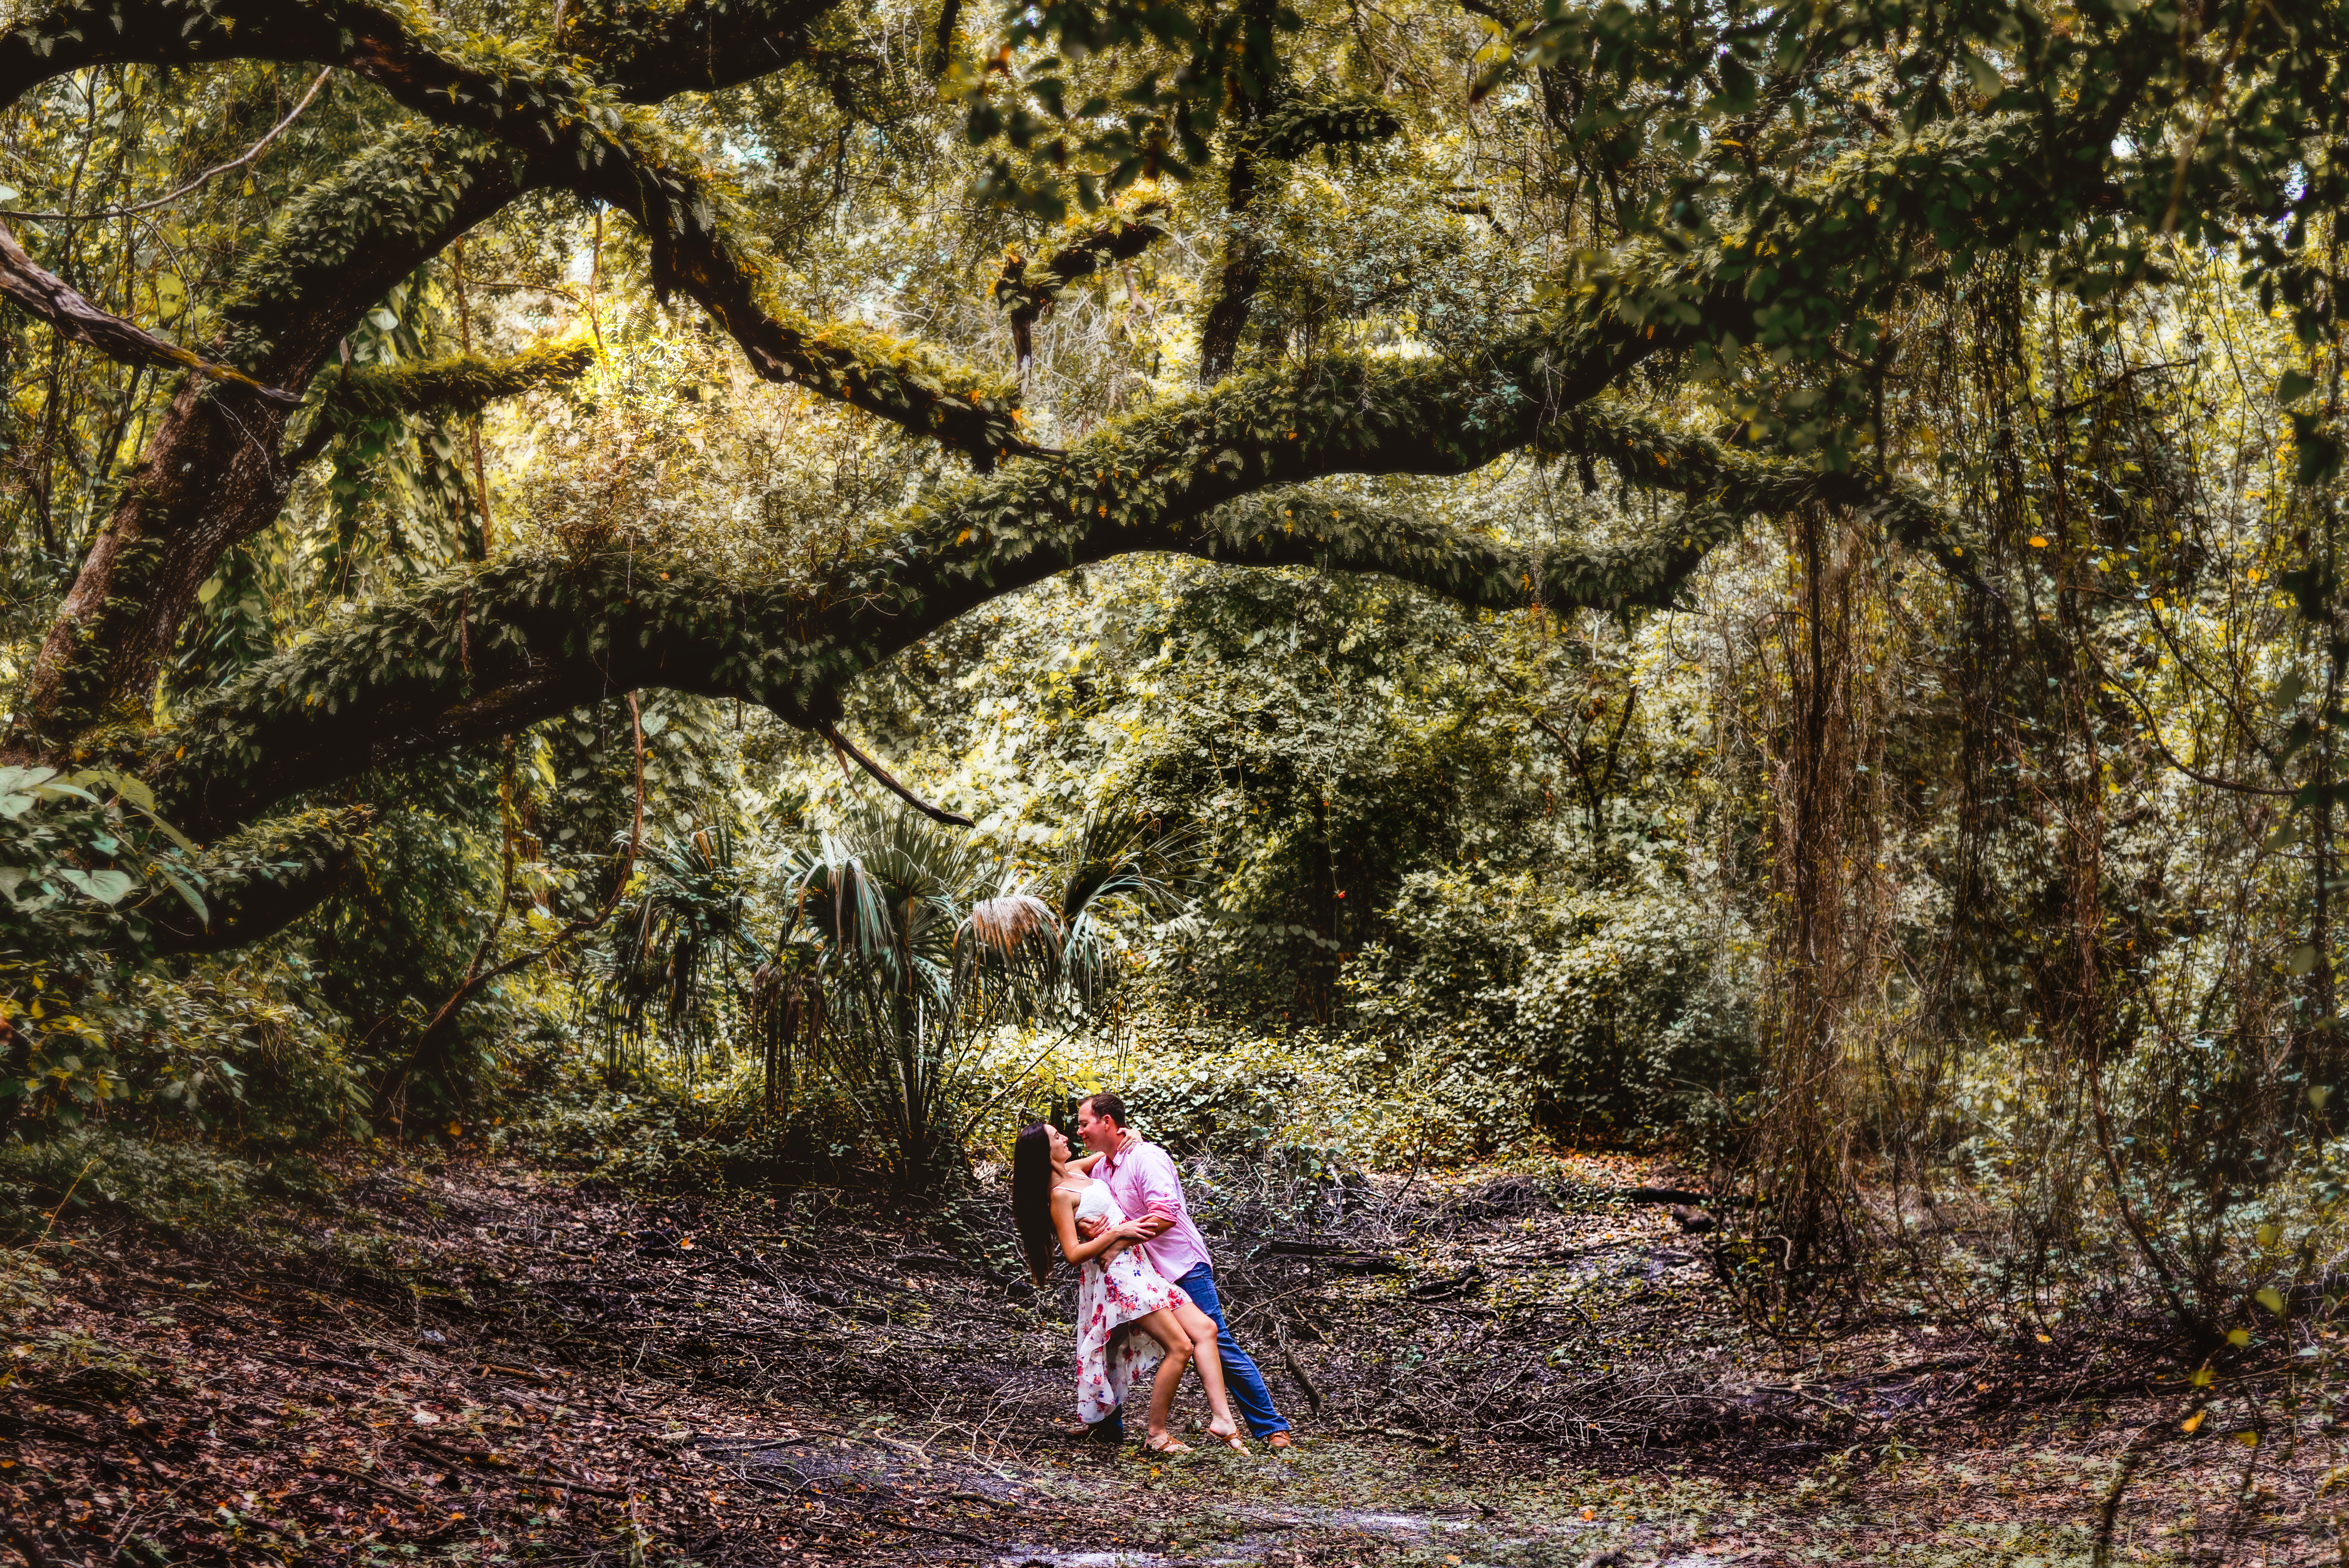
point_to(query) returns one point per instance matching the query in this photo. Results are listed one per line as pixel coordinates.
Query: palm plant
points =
(924, 944)
(1121, 858)
(676, 949)
(900, 946)
(878, 903)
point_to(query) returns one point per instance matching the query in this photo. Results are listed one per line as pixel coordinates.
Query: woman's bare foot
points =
(1229, 1434)
(1162, 1442)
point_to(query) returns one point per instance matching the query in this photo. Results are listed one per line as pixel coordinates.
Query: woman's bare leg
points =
(1167, 1329)
(1202, 1330)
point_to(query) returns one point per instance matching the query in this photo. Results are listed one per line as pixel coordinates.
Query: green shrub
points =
(1586, 1013)
(658, 1127)
(165, 1180)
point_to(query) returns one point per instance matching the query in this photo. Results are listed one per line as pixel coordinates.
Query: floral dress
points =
(1113, 1355)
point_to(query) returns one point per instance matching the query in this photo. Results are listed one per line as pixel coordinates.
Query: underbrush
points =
(657, 1124)
(1322, 1100)
(174, 1180)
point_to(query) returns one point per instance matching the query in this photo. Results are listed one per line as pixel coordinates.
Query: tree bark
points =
(213, 474)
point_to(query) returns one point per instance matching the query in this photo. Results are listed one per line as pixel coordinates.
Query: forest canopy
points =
(1762, 575)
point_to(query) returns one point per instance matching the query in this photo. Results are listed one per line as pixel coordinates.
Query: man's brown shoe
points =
(1278, 1441)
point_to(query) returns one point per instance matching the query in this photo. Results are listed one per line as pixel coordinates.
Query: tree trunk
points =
(210, 477)
(212, 473)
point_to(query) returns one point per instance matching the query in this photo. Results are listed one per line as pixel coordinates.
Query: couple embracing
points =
(1146, 1291)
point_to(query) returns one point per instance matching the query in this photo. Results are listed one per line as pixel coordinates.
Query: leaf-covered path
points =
(484, 1362)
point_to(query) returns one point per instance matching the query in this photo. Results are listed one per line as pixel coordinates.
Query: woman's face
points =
(1059, 1144)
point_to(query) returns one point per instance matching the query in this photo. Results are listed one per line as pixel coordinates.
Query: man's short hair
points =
(1108, 1108)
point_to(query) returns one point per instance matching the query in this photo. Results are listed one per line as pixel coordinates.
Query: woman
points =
(1118, 1292)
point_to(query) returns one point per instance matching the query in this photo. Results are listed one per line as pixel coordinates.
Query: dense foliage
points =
(1399, 582)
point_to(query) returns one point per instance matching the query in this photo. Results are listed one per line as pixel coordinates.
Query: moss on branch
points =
(1300, 125)
(258, 882)
(43, 295)
(1028, 289)
(650, 52)
(460, 383)
(484, 652)
(1735, 482)
(341, 244)
(643, 52)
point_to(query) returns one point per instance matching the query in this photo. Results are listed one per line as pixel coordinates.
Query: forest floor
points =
(484, 1360)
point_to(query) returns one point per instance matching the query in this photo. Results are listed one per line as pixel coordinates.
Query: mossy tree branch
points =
(45, 296)
(1298, 125)
(1028, 289)
(644, 54)
(460, 383)
(487, 651)
(257, 882)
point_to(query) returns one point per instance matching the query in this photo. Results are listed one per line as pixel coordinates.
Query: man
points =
(1143, 1178)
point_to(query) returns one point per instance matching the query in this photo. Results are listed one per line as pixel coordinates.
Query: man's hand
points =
(1089, 1226)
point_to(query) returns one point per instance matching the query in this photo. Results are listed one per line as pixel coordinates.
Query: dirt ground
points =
(482, 1361)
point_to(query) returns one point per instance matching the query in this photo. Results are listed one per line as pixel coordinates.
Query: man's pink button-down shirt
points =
(1143, 1178)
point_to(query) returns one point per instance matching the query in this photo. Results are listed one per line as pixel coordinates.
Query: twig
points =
(389, 1488)
(936, 1530)
(70, 1188)
(935, 813)
(1423, 1439)
(556, 1480)
(1808, 1397)
(249, 154)
(478, 1455)
(1297, 1368)
(2153, 733)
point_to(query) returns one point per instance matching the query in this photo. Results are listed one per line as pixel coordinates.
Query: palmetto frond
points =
(1120, 857)
(686, 930)
(899, 945)
(1014, 932)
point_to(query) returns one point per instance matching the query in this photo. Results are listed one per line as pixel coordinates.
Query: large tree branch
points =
(643, 53)
(45, 296)
(209, 478)
(488, 651)
(1654, 456)
(581, 135)
(258, 883)
(460, 383)
(649, 54)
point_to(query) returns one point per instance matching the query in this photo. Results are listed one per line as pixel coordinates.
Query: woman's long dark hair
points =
(1032, 1200)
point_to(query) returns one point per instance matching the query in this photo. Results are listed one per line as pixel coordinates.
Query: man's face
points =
(1099, 1132)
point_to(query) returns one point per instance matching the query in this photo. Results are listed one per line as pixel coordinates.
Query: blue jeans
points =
(1245, 1382)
